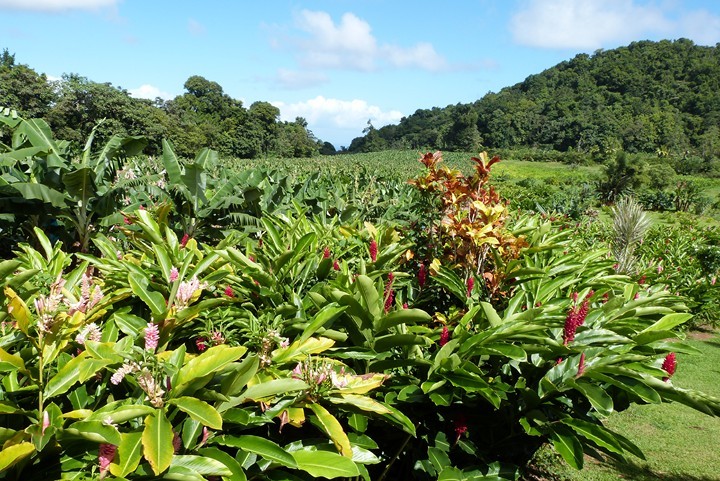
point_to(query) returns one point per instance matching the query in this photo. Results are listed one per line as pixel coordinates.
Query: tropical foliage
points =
(190, 322)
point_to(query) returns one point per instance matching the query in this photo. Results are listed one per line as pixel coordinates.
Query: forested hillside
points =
(204, 116)
(660, 97)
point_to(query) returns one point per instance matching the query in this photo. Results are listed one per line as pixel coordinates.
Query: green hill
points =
(660, 97)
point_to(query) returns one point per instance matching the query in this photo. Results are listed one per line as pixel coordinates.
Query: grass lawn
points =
(679, 443)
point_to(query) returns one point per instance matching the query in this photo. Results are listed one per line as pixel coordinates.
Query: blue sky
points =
(336, 63)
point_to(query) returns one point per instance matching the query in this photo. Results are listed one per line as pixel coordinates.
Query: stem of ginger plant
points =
(397, 455)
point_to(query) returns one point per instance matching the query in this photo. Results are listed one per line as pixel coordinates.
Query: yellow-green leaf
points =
(333, 429)
(128, 455)
(12, 454)
(199, 410)
(157, 441)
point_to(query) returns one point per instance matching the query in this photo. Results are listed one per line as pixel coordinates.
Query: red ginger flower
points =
(444, 337)
(581, 365)
(422, 275)
(575, 318)
(470, 285)
(184, 240)
(326, 253)
(373, 250)
(460, 426)
(106, 453)
(229, 291)
(389, 300)
(669, 365)
(200, 344)
(336, 265)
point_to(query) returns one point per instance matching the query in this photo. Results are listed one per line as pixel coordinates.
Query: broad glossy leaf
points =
(237, 473)
(369, 296)
(326, 315)
(333, 429)
(403, 316)
(569, 447)
(325, 464)
(274, 387)
(96, 431)
(201, 465)
(14, 453)
(153, 299)
(210, 361)
(157, 441)
(68, 375)
(199, 410)
(129, 454)
(260, 446)
(361, 402)
(596, 433)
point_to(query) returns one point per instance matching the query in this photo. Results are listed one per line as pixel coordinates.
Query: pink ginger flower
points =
(184, 240)
(91, 332)
(152, 336)
(444, 336)
(217, 338)
(46, 422)
(200, 344)
(669, 365)
(106, 454)
(405, 305)
(470, 285)
(422, 275)
(174, 274)
(373, 250)
(205, 435)
(186, 290)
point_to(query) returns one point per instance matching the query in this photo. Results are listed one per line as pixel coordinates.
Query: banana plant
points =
(196, 200)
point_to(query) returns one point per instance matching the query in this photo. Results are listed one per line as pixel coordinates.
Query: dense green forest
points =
(653, 97)
(203, 116)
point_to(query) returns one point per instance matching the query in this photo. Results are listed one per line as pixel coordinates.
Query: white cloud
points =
(350, 44)
(337, 120)
(147, 91)
(585, 24)
(293, 79)
(592, 24)
(55, 5)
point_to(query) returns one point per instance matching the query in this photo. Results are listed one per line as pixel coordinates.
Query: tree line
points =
(653, 97)
(203, 116)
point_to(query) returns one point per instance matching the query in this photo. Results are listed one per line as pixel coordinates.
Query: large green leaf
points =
(260, 446)
(211, 361)
(325, 464)
(403, 316)
(68, 375)
(569, 447)
(327, 314)
(199, 410)
(333, 429)
(202, 465)
(157, 441)
(33, 191)
(235, 468)
(14, 453)
(153, 299)
(272, 388)
(171, 163)
(129, 454)
(369, 296)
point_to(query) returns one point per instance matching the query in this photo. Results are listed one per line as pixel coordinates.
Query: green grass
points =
(679, 443)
